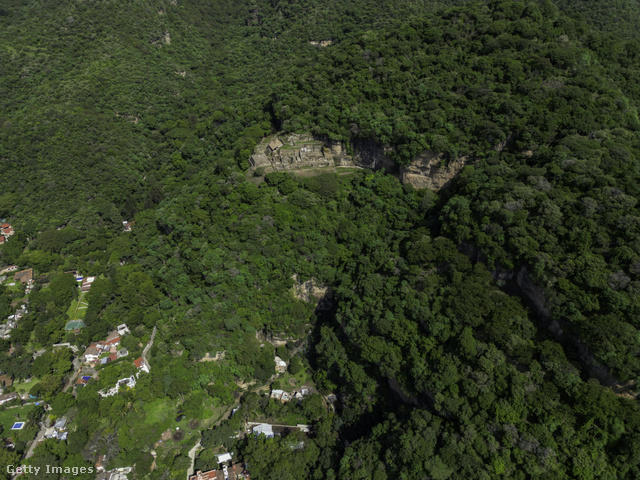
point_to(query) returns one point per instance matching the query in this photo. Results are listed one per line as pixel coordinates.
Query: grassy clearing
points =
(16, 287)
(26, 386)
(284, 382)
(78, 308)
(10, 416)
(159, 411)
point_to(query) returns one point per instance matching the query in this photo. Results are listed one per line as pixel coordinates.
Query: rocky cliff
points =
(312, 292)
(519, 281)
(429, 170)
(298, 151)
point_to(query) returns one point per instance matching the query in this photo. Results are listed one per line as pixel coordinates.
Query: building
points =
(115, 474)
(126, 226)
(281, 395)
(123, 352)
(61, 424)
(6, 380)
(24, 276)
(7, 229)
(264, 429)
(112, 342)
(2, 239)
(86, 284)
(123, 330)
(237, 471)
(8, 398)
(100, 463)
(281, 365)
(225, 457)
(92, 353)
(5, 331)
(10, 268)
(82, 381)
(141, 364)
(274, 145)
(113, 334)
(208, 475)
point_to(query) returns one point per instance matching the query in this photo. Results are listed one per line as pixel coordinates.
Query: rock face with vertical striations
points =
(429, 170)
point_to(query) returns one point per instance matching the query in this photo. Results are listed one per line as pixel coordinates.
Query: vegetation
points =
(485, 331)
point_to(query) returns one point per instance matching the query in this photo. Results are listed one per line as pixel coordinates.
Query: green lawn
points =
(25, 387)
(78, 308)
(16, 287)
(301, 379)
(8, 418)
(159, 411)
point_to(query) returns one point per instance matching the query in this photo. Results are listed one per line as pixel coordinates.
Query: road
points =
(40, 436)
(77, 366)
(192, 455)
(149, 345)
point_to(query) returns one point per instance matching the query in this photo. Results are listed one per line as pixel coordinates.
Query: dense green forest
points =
(486, 331)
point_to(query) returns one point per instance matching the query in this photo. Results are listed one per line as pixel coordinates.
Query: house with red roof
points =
(141, 364)
(7, 229)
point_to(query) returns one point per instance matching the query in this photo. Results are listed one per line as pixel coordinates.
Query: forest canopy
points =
(487, 330)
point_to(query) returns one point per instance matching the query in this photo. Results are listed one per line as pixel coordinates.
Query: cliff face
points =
(520, 282)
(312, 292)
(298, 151)
(428, 170)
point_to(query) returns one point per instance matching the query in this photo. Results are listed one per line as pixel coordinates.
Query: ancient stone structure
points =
(290, 152)
(300, 151)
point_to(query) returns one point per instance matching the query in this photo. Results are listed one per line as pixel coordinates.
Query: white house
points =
(264, 429)
(123, 329)
(281, 365)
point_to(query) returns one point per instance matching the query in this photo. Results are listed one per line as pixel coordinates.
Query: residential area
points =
(67, 376)
(28, 412)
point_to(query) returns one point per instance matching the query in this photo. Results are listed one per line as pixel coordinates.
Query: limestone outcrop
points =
(300, 151)
(308, 291)
(429, 170)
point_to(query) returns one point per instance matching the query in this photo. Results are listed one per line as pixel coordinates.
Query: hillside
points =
(486, 330)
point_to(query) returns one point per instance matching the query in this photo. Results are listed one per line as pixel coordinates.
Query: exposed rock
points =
(369, 154)
(322, 43)
(291, 152)
(166, 39)
(429, 171)
(272, 339)
(129, 118)
(208, 358)
(521, 283)
(308, 291)
(296, 151)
